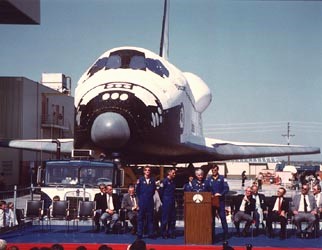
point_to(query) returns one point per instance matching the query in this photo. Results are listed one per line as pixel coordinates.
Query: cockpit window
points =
(113, 62)
(98, 66)
(137, 62)
(157, 67)
(126, 59)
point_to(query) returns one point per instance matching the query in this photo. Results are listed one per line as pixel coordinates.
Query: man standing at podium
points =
(218, 186)
(198, 183)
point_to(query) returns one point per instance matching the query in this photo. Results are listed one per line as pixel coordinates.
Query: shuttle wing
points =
(45, 145)
(228, 150)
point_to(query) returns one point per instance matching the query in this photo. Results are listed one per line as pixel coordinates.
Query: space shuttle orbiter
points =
(136, 104)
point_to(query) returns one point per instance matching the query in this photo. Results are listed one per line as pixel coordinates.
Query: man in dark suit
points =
(260, 207)
(243, 207)
(107, 205)
(304, 209)
(130, 203)
(277, 211)
(100, 199)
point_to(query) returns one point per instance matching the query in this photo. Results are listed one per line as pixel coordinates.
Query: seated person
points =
(107, 205)
(55, 198)
(243, 207)
(260, 207)
(3, 208)
(304, 209)
(277, 211)
(130, 203)
(318, 199)
(12, 218)
(187, 187)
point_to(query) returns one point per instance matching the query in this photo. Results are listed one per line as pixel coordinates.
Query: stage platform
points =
(34, 235)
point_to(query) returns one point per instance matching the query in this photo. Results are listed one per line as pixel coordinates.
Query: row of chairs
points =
(60, 210)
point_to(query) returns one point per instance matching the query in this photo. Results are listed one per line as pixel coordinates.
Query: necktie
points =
(305, 204)
(133, 200)
(279, 205)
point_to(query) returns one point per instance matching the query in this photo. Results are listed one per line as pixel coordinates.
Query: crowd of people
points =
(136, 245)
(150, 206)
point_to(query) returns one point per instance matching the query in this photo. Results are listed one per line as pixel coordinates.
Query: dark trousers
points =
(145, 215)
(168, 219)
(222, 215)
(275, 217)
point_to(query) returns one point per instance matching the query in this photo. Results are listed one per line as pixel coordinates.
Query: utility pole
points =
(288, 138)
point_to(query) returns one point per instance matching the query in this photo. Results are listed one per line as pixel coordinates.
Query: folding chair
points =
(60, 211)
(34, 211)
(86, 211)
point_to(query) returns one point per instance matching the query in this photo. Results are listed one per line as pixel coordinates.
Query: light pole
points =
(288, 138)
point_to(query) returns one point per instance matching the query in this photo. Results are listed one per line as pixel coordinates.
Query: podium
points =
(197, 218)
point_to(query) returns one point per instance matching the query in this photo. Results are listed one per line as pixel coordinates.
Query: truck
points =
(75, 180)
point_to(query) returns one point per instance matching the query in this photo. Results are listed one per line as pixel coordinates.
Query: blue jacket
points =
(218, 185)
(145, 191)
(198, 186)
(167, 190)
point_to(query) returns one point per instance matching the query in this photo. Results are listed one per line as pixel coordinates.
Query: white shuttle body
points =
(135, 104)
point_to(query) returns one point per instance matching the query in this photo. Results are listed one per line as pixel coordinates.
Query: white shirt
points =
(258, 202)
(242, 206)
(318, 199)
(110, 204)
(275, 208)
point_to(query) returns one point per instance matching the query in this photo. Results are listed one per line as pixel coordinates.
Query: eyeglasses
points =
(147, 170)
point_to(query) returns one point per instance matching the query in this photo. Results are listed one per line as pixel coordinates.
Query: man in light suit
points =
(318, 199)
(130, 203)
(318, 196)
(243, 207)
(304, 209)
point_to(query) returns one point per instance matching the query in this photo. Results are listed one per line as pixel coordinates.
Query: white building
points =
(30, 110)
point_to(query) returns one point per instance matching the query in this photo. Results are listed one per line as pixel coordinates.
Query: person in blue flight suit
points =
(198, 183)
(187, 187)
(218, 186)
(145, 190)
(168, 212)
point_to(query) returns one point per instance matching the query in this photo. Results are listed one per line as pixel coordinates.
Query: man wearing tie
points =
(260, 208)
(243, 206)
(107, 205)
(318, 196)
(304, 209)
(130, 203)
(277, 211)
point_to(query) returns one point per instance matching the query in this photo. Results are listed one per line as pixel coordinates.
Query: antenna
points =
(164, 44)
(288, 138)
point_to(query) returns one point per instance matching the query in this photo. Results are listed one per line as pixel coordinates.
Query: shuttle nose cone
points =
(110, 130)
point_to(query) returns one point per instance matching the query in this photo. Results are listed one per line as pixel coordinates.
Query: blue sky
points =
(261, 59)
